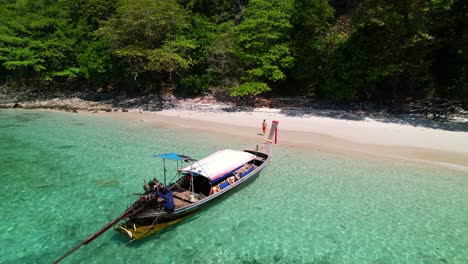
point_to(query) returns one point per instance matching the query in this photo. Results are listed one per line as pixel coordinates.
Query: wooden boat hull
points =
(151, 221)
(137, 232)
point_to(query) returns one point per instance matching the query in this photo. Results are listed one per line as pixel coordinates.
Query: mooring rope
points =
(152, 224)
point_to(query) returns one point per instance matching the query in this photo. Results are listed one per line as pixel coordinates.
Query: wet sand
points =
(368, 138)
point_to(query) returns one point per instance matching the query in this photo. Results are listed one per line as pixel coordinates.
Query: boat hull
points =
(151, 221)
(137, 232)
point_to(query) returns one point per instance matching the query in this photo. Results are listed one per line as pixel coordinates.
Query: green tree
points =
(221, 65)
(97, 62)
(218, 11)
(311, 21)
(35, 41)
(89, 13)
(149, 35)
(263, 39)
(390, 56)
(199, 78)
(448, 24)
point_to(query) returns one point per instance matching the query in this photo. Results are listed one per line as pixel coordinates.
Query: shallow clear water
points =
(65, 175)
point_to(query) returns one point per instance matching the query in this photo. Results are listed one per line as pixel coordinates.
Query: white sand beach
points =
(367, 138)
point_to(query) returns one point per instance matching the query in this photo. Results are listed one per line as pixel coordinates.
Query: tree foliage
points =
(149, 35)
(389, 53)
(311, 21)
(341, 49)
(34, 40)
(263, 39)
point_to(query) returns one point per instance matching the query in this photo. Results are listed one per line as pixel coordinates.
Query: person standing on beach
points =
(264, 126)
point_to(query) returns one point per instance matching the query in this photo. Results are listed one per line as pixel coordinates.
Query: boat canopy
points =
(219, 164)
(173, 156)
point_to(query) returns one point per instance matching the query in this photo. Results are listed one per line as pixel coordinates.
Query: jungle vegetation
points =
(338, 49)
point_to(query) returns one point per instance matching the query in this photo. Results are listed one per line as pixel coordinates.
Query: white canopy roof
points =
(219, 163)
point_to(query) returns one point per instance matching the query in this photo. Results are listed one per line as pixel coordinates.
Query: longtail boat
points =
(195, 186)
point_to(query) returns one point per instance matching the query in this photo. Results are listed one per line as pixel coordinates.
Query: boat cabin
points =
(212, 175)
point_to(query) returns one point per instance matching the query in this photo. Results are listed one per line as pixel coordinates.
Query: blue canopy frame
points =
(172, 156)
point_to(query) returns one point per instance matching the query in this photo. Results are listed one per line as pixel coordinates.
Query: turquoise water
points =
(64, 175)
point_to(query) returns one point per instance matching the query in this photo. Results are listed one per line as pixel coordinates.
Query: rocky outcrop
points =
(61, 104)
(433, 109)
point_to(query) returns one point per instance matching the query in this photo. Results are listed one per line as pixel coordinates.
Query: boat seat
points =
(223, 184)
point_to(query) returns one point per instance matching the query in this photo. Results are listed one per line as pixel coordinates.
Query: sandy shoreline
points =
(367, 138)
